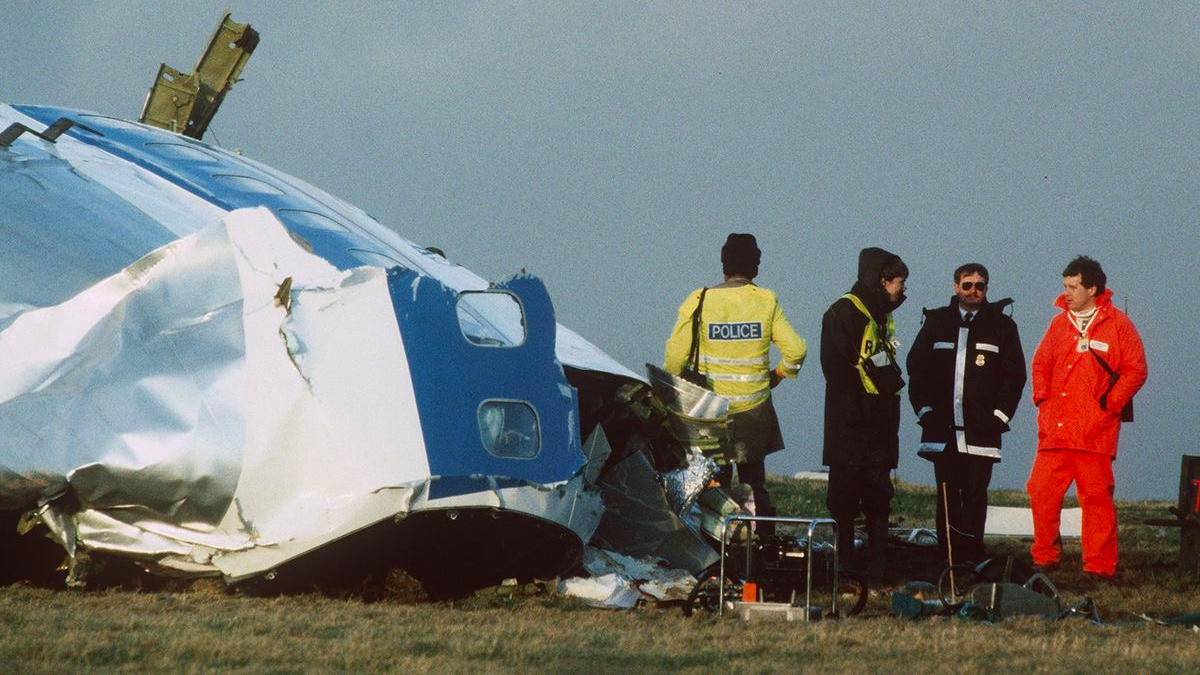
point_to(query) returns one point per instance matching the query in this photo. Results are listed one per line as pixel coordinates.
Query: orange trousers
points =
(1053, 472)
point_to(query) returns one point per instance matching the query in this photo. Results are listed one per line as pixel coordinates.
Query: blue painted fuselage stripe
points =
(452, 376)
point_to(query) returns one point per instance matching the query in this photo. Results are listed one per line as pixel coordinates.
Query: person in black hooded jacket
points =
(966, 373)
(862, 402)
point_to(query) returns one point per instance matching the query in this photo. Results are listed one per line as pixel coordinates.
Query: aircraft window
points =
(375, 258)
(509, 429)
(247, 184)
(491, 318)
(180, 151)
(310, 219)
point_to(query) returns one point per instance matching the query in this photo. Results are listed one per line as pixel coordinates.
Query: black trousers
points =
(962, 481)
(866, 489)
(859, 489)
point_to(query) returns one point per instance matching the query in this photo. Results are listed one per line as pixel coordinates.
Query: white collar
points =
(1082, 320)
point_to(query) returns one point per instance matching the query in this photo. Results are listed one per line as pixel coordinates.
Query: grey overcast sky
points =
(610, 147)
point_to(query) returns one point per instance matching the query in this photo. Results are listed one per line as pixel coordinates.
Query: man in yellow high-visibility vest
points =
(738, 323)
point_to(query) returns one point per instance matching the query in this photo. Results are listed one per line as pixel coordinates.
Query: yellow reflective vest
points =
(739, 321)
(876, 340)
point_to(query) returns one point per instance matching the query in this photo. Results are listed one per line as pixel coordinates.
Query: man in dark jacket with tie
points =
(966, 373)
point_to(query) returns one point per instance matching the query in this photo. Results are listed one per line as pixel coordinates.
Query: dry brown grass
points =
(53, 631)
(49, 630)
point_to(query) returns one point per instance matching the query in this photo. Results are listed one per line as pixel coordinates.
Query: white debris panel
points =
(619, 581)
(227, 395)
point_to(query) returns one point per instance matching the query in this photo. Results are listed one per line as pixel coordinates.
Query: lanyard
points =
(1081, 345)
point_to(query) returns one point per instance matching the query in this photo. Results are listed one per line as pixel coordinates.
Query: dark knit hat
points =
(740, 255)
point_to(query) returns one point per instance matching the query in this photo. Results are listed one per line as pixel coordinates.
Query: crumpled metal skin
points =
(638, 521)
(165, 401)
(698, 418)
(684, 485)
(190, 419)
(212, 379)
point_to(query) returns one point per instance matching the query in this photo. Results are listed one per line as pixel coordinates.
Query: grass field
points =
(202, 627)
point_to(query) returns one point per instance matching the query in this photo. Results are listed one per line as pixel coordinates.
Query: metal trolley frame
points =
(811, 525)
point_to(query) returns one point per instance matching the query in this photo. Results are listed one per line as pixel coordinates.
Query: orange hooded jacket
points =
(1068, 381)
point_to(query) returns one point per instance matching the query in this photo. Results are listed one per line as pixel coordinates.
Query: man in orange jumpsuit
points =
(1086, 370)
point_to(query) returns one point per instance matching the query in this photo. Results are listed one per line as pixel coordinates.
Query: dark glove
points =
(775, 379)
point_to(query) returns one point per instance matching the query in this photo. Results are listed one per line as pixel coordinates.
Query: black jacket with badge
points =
(860, 427)
(992, 377)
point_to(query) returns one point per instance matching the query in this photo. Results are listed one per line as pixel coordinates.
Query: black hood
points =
(869, 288)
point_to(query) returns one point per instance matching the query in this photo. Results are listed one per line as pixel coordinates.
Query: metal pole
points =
(721, 579)
(809, 576)
(949, 546)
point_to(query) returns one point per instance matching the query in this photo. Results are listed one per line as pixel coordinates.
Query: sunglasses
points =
(968, 285)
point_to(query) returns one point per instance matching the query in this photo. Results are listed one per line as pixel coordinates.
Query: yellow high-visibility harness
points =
(875, 339)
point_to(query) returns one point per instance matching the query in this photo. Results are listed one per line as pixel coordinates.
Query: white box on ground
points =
(1015, 521)
(774, 611)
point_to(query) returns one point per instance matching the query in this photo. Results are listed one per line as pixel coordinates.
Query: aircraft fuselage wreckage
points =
(212, 368)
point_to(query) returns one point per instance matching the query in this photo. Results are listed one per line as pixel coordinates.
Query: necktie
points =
(969, 316)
